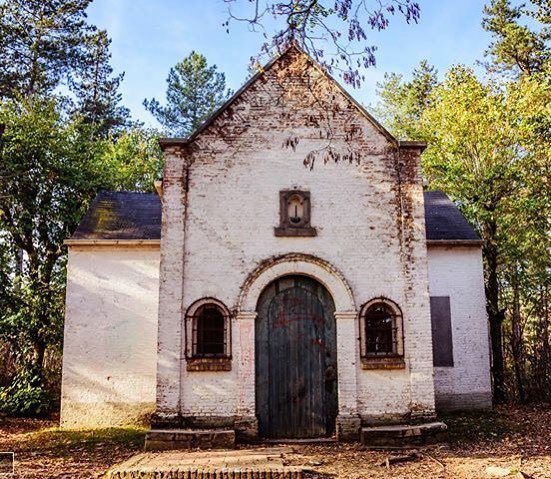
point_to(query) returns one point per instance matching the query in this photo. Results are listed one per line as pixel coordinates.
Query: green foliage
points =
(55, 153)
(464, 141)
(516, 47)
(26, 396)
(401, 104)
(195, 90)
(50, 170)
(45, 44)
(51, 166)
(96, 90)
(40, 42)
(135, 158)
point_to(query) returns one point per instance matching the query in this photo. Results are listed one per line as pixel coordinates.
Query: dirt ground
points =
(509, 442)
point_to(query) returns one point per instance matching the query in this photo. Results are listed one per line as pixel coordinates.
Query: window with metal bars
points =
(208, 331)
(381, 330)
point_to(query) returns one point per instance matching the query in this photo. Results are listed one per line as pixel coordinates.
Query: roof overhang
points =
(458, 242)
(413, 145)
(111, 242)
(168, 142)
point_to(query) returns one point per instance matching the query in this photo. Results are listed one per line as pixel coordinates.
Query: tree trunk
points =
(39, 355)
(517, 340)
(545, 367)
(495, 314)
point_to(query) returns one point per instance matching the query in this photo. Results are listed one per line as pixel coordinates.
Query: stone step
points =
(167, 439)
(402, 435)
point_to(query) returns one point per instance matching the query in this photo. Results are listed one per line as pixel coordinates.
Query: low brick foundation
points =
(348, 428)
(404, 435)
(166, 439)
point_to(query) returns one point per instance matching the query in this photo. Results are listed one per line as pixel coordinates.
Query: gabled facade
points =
(298, 264)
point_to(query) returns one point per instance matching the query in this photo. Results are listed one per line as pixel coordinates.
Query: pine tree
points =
(96, 89)
(40, 44)
(195, 90)
(515, 46)
(402, 103)
(46, 44)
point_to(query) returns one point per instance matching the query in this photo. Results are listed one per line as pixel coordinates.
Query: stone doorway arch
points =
(348, 421)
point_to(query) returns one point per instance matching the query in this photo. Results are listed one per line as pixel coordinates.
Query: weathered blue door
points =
(296, 360)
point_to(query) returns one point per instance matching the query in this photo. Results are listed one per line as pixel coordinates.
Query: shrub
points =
(26, 396)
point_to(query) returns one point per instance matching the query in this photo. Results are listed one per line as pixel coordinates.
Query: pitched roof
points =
(116, 215)
(292, 48)
(444, 221)
(123, 215)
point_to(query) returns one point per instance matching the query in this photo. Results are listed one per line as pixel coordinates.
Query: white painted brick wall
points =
(457, 272)
(110, 343)
(236, 173)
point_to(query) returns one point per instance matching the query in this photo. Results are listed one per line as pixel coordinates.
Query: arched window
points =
(209, 332)
(381, 332)
(208, 335)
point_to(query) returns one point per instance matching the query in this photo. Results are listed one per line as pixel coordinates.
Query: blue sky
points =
(151, 36)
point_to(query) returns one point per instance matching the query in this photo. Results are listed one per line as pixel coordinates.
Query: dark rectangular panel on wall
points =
(442, 342)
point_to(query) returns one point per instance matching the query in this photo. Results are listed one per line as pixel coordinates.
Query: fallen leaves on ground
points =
(511, 442)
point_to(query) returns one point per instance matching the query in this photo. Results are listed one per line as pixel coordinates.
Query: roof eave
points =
(168, 142)
(413, 145)
(455, 242)
(111, 242)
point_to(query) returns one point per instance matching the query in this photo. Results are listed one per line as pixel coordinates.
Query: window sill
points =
(294, 231)
(384, 362)
(208, 364)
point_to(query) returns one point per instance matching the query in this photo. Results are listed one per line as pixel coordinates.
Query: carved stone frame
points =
(286, 227)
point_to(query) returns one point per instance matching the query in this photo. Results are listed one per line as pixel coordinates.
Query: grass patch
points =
(474, 426)
(57, 440)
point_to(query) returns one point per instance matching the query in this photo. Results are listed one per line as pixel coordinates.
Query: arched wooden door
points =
(296, 359)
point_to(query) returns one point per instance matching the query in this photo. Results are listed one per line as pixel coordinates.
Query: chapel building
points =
(290, 278)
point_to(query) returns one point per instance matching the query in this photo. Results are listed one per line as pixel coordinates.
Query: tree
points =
(45, 44)
(49, 172)
(40, 43)
(194, 91)
(96, 90)
(135, 157)
(61, 140)
(51, 166)
(515, 46)
(486, 151)
(320, 25)
(402, 104)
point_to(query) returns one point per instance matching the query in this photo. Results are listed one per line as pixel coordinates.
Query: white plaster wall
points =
(233, 207)
(110, 344)
(457, 272)
(231, 216)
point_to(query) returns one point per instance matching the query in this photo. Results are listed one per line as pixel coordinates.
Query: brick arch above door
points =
(292, 264)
